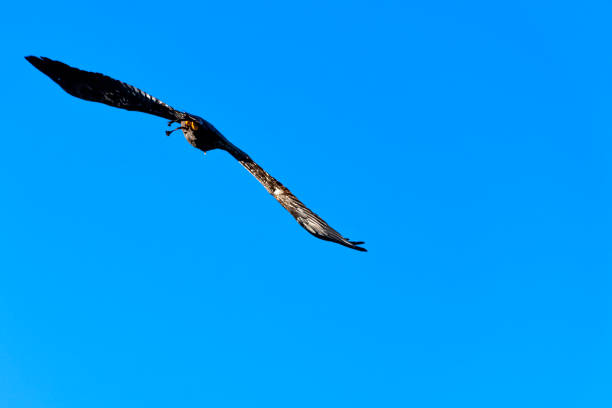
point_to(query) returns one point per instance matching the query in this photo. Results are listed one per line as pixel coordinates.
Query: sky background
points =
(468, 143)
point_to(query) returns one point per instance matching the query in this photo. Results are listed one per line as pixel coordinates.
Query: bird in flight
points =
(199, 133)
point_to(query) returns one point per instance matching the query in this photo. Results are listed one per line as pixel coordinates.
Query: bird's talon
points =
(169, 132)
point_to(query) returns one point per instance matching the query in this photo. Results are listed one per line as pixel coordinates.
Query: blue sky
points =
(468, 143)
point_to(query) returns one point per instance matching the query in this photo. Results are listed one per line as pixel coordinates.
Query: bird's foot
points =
(169, 132)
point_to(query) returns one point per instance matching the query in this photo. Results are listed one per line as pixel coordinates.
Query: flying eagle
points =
(199, 133)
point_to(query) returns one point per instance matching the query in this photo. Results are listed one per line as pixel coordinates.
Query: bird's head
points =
(195, 119)
(190, 125)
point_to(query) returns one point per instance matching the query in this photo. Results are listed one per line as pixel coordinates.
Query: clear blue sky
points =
(467, 143)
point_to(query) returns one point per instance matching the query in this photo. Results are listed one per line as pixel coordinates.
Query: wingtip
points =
(354, 245)
(47, 66)
(36, 61)
(39, 61)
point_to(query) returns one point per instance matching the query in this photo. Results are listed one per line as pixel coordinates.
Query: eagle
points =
(200, 133)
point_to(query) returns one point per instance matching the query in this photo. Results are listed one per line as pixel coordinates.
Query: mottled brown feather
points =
(310, 221)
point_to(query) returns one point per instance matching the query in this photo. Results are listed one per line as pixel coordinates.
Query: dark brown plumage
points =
(198, 132)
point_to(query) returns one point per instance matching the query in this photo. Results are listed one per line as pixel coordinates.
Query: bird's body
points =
(199, 133)
(202, 135)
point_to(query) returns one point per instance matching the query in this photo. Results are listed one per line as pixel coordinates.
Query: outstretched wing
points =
(95, 87)
(304, 216)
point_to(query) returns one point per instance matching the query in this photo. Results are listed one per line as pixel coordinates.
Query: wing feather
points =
(96, 87)
(310, 221)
